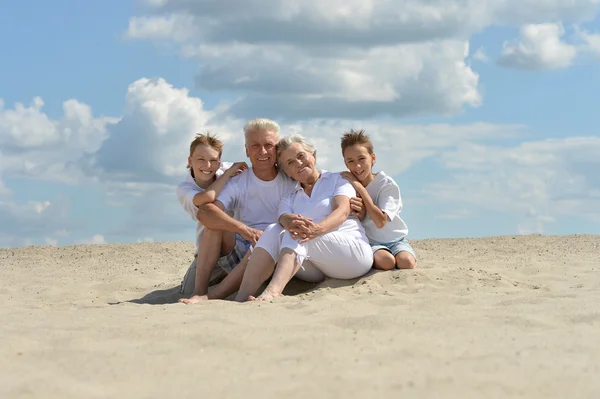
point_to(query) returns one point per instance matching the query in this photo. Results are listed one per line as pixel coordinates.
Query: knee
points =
(383, 260)
(405, 260)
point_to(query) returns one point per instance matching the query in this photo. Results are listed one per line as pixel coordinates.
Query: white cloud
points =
(539, 47)
(538, 182)
(96, 239)
(34, 145)
(32, 221)
(51, 241)
(149, 143)
(480, 55)
(178, 28)
(591, 42)
(341, 59)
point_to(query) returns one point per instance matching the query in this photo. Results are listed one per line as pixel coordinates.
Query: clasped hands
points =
(302, 228)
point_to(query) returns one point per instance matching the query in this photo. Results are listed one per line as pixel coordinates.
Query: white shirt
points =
(385, 194)
(253, 201)
(187, 190)
(320, 203)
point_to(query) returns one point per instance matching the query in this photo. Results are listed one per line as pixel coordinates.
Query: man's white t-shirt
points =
(187, 190)
(253, 201)
(385, 194)
(320, 203)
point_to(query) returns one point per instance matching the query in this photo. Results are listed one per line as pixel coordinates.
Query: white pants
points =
(335, 254)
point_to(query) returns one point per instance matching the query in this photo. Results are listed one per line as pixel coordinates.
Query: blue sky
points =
(485, 114)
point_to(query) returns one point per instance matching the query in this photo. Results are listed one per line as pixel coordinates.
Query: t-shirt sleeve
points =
(285, 205)
(389, 199)
(344, 187)
(229, 195)
(186, 193)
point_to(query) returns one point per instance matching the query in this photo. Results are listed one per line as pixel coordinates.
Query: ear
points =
(247, 154)
(189, 165)
(373, 158)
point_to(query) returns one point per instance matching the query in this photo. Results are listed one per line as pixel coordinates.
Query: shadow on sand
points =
(294, 287)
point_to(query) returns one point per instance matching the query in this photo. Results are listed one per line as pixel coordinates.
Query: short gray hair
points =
(288, 141)
(262, 124)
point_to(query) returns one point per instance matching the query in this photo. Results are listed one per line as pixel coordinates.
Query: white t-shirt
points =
(319, 205)
(187, 190)
(253, 201)
(385, 194)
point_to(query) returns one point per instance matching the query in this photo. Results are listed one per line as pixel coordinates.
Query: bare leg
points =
(212, 244)
(384, 260)
(286, 268)
(405, 260)
(231, 283)
(260, 267)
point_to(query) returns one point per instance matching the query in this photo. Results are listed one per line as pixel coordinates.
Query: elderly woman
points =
(316, 237)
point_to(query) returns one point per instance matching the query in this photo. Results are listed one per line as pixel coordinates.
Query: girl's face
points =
(359, 162)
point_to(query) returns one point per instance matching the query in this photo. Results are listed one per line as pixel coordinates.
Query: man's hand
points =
(251, 235)
(236, 169)
(357, 207)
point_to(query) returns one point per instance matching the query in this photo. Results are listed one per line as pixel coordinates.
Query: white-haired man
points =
(252, 198)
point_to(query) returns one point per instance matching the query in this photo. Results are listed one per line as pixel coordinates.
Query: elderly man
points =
(252, 198)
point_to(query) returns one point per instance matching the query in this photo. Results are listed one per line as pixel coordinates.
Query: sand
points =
(482, 318)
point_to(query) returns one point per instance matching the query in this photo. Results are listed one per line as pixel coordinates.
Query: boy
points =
(381, 204)
(206, 178)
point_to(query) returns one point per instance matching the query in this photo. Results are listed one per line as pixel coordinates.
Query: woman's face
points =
(297, 163)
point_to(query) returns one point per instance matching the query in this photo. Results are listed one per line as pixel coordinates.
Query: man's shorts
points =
(225, 265)
(395, 247)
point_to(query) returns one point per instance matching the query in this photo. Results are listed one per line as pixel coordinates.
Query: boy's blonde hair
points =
(207, 140)
(356, 137)
(262, 124)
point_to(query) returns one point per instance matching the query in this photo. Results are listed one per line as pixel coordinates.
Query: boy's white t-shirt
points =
(319, 205)
(385, 194)
(253, 201)
(187, 190)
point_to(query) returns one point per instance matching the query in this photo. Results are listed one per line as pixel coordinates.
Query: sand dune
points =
(482, 318)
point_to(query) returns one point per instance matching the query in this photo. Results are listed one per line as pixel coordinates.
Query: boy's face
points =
(359, 162)
(205, 162)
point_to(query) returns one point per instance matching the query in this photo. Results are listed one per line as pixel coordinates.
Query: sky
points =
(485, 113)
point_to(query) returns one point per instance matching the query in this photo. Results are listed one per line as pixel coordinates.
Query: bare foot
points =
(194, 299)
(265, 296)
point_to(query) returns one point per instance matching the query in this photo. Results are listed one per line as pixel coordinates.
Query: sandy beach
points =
(481, 318)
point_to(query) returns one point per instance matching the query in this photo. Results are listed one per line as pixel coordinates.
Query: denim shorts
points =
(395, 247)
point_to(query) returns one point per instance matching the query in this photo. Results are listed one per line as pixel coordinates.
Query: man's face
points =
(261, 148)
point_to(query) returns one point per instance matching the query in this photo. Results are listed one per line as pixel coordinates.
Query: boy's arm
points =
(212, 192)
(374, 212)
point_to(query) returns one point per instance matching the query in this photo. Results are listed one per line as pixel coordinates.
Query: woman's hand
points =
(310, 231)
(357, 207)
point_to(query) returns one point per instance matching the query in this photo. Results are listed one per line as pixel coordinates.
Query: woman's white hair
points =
(262, 124)
(288, 141)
